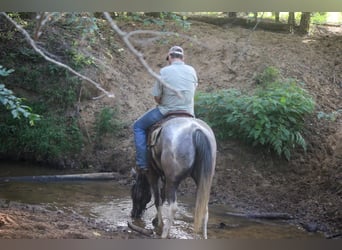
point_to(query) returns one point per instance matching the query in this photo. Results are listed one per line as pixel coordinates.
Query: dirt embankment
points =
(309, 186)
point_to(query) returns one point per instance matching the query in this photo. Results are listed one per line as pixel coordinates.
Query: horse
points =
(183, 147)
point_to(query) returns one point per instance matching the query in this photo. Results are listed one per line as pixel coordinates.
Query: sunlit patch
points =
(334, 17)
(308, 40)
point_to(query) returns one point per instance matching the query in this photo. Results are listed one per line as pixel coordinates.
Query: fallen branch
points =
(58, 178)
(141, 230)
(39, 51)
(266, 216)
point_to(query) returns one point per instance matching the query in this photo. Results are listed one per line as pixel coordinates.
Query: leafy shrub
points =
(319, 17)
(107, 122)
(61, 98)
(52, 137)
(273, 116)
(4, 71)
(15, 104)
(269, 75)
(78, 60)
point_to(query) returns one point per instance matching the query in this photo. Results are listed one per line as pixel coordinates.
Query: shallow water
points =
(109, 203)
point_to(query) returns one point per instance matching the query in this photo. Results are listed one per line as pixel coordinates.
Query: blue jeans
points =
(140, 128)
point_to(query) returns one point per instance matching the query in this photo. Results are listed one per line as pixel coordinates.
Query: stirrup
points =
(144, 170)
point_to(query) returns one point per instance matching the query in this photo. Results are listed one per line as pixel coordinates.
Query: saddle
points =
(155, 129)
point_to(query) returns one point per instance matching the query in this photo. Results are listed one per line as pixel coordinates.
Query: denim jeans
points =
(140, 128)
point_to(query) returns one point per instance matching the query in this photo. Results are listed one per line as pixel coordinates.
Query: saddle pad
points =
(154, 136)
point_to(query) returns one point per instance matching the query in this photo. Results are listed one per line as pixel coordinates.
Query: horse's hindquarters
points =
(185, 146)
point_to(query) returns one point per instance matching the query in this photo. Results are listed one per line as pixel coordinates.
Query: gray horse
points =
(184, 147)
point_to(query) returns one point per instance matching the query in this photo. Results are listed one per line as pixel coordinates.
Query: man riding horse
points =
(179, 76)
(182, 147)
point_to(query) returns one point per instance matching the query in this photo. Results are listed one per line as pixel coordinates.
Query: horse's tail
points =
(203, 173)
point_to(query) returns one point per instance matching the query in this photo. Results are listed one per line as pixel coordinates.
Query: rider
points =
(179, 76)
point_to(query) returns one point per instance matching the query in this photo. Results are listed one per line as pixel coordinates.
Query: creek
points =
(108, 203)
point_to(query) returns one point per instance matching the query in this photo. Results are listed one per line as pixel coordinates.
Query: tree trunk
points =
(255, 16)
(291, 21)
(304, 25)
(276, 14)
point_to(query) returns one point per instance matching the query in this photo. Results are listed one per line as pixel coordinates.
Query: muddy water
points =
(108, 203)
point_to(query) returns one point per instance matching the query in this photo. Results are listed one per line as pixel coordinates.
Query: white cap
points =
(176, 50)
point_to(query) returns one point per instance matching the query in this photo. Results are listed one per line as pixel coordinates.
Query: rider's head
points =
(175, 52)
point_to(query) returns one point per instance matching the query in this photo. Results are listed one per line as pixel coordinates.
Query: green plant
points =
(269, 75)
(180, 20)
(273, 116)
(331, 116)
(61, 97)
(4, 71)
(107, 122)
(52, 137)
(78, 60)
(319, 17)
(15, 104)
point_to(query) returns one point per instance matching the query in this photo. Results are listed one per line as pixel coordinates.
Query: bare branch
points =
(33, 44)
(125, 37)
(141, 230)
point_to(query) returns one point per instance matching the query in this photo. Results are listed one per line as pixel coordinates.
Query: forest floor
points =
(252, 180)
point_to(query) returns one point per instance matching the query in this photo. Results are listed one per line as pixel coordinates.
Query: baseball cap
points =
(175, 50)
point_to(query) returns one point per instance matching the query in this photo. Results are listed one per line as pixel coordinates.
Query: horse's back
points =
(179, 130)
(182, 125)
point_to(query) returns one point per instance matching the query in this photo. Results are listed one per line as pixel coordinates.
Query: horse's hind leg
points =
(171, 209)
(205, 224)
(158, 201)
